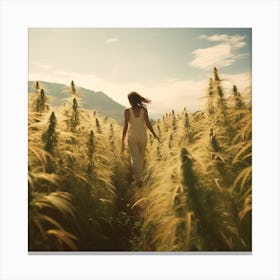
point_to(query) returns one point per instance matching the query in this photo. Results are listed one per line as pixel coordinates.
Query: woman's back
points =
(136, 119)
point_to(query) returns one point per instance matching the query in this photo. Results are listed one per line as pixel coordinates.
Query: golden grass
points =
(197, 188)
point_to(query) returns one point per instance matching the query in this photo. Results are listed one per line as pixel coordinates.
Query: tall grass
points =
(197, 189)
(72, 178)
(197, 193)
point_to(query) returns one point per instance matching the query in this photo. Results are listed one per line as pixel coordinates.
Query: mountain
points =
(90, 99)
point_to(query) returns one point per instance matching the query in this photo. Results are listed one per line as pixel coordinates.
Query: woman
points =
(137, 117)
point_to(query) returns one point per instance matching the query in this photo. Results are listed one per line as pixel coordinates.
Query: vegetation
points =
(197, 190)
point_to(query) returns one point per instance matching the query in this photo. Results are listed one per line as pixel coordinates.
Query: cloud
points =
(225, 53)
(219, 56)
(112, 40)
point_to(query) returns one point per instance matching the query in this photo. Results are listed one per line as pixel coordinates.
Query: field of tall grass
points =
(197, 191)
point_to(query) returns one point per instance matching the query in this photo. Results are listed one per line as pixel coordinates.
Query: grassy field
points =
(197, 190)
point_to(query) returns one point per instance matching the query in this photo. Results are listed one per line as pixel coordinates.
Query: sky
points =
(170, 66)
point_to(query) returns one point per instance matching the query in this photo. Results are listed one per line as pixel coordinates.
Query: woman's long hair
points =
(136, 100)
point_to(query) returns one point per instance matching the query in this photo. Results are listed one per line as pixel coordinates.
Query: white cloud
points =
(233, 40)
(221, 55)
(112, 40)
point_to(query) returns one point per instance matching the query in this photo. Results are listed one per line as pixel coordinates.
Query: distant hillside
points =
(90, 99)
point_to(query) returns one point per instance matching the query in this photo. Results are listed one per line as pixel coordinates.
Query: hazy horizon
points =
(171, 66)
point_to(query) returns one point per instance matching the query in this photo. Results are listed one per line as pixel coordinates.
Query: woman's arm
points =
(148, 124)
(126, 117)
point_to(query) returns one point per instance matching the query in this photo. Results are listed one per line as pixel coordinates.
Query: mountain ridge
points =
(90, 99)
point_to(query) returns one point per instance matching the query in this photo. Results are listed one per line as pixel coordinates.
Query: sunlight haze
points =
(171, 66)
